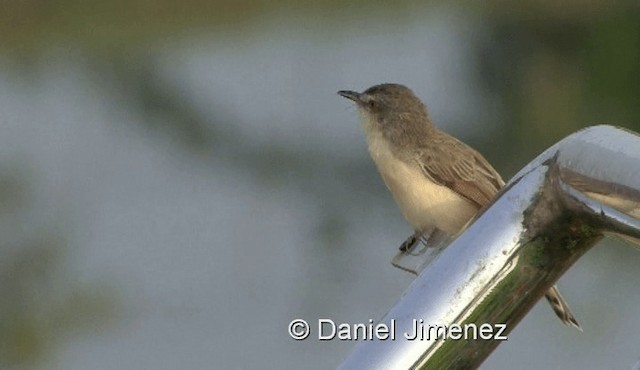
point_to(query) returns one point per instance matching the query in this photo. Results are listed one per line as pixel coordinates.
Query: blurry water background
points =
(179, 179)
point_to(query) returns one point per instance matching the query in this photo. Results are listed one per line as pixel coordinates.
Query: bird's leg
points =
(411, 241)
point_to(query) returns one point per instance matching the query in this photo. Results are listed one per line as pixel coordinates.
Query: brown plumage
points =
(436, 180)
(466, 172)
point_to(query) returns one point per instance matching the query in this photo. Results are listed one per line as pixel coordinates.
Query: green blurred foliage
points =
(41, 301)
(558, 68)
(27, 26)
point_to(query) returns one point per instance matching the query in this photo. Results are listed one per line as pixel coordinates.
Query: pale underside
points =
(426, 204)
(423, 203)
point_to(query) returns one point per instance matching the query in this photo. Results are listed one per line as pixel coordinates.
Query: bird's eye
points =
(371, 104)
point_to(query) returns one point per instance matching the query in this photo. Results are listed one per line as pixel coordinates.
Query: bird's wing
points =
(465, 171)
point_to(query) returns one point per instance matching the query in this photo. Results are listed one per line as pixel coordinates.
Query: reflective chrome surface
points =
(547, 216)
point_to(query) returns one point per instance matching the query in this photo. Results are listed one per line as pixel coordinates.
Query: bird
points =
(436, 180)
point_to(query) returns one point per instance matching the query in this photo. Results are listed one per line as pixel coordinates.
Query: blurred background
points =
(179, 179)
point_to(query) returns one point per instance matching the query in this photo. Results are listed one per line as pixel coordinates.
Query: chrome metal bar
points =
(547, 216)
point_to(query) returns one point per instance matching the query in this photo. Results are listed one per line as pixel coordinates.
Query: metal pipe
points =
(495, 271)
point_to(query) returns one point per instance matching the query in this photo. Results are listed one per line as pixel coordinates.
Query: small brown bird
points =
(436, 180)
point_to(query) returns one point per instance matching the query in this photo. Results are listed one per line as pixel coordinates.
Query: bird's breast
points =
(423, 203)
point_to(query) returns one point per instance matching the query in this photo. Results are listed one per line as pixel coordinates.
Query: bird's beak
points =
(351, 95)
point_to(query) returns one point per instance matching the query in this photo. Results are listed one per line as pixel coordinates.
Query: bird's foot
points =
(411, 241)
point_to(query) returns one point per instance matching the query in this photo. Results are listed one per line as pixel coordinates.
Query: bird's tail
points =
(561, 308)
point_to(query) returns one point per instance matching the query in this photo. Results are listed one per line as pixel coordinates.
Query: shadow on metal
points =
(551, 213)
